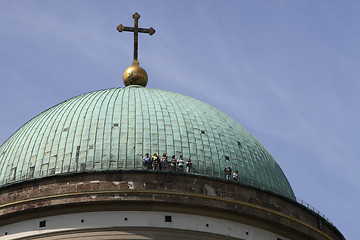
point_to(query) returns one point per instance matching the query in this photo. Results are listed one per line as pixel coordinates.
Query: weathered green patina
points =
(113, 129)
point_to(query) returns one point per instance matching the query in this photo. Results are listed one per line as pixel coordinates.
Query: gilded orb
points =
(135, 75)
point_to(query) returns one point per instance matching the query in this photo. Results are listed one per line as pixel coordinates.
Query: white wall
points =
(136, 219)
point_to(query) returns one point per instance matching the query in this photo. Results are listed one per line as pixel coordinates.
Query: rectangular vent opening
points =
(32, 170)
(42, 224)
(168, 219)
(82, 167)
(77, 153)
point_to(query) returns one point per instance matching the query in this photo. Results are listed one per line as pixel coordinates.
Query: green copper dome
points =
(113, 129)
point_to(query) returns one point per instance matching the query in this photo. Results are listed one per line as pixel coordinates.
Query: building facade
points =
(76, 171)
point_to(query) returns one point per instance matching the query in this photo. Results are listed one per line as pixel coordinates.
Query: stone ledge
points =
(159, 189)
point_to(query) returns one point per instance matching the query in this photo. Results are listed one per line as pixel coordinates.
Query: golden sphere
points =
(135, 75)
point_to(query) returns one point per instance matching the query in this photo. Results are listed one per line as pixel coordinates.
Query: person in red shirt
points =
(227, 171)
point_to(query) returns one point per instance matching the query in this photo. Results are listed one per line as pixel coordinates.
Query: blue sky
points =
(288, 71)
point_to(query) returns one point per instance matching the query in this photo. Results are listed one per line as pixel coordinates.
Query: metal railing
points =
(313, 209)
(253, 183)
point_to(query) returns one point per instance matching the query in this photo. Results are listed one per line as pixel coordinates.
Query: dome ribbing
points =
(113, 129)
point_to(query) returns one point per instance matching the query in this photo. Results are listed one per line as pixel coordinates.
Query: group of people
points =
(163, 163)
(227, 171)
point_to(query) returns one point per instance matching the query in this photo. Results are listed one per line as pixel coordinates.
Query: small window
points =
(91, 147)
(65, 129)
(82, 220)
(239, 143)
(278, 239)
(5, 233)
(42, 224)
(125, 219)
(116, 125)
(168, 219)
(247, 233)
(203, 132)
(207, 225)
(227, 158)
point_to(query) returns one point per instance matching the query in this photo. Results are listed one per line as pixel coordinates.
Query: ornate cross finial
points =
(135, 75)
(136, 30)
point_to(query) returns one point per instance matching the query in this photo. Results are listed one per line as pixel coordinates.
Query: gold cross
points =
(136, 30)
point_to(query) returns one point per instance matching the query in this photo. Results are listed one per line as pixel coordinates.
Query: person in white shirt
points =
(180, 164)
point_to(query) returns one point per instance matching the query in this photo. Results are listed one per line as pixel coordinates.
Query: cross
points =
(136, 30)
